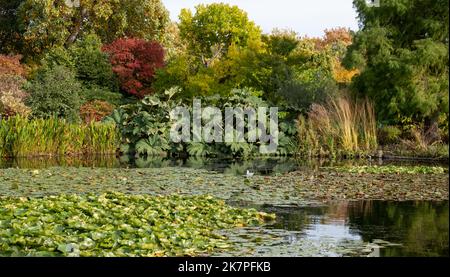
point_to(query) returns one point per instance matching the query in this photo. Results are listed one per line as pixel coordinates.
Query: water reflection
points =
(261, 166)
(335, 230)
(109, 161)
(412, 228)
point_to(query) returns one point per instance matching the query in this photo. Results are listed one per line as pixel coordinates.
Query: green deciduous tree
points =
(44, 24)
(213, 36)
(291, 71)
(214, 28)
(172, 42)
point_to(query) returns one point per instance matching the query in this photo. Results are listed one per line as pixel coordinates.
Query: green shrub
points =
(92, 69)
(389, 134)
(55, 92)
(299, 95)
(59, 56)
(92, 93)
(86, 58)
(145, 125)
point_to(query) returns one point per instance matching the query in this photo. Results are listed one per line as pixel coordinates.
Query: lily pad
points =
(116, 224)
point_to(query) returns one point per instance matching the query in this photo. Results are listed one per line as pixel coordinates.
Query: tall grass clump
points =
(340, 127)
(20, 137)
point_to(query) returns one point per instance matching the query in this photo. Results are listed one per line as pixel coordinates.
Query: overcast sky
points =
(306, 17)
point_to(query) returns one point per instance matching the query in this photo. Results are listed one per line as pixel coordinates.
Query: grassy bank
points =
(20, 137)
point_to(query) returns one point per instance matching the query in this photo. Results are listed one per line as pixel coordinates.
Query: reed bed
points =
(341, 127)
(20, 137)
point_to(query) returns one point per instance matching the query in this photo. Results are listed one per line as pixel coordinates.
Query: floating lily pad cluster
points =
(153, 181)
(393, 169)
(116, 224)
(299, 188)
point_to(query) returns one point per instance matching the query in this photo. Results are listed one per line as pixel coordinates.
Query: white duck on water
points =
(249, 174)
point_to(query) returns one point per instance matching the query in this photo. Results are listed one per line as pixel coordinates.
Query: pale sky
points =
(306, 17)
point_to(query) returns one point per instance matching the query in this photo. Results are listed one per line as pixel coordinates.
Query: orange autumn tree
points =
(11, 65)
(337, 40)
(95, 110)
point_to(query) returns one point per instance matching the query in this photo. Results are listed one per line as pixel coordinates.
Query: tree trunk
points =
(78, 25)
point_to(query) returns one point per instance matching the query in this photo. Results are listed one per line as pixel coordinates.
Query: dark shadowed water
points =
(411, 228)
(261, 166)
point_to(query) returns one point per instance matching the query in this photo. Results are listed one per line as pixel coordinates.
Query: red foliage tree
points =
(135, 62)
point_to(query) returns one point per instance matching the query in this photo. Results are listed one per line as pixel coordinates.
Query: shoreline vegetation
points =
(21, 137)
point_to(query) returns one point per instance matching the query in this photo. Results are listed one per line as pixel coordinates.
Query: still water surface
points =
(387, 228)
(355, 228)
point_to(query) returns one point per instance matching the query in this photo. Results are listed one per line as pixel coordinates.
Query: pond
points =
(313, 228)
